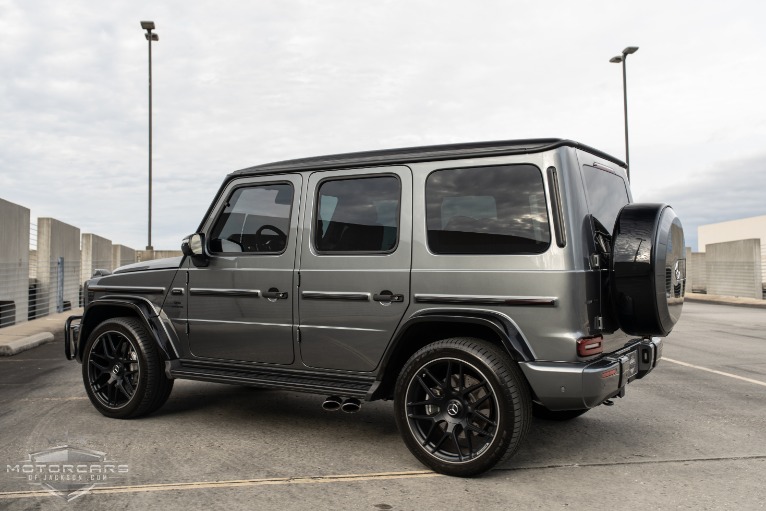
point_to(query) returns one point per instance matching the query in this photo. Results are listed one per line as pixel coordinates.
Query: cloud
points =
(238, 84)
(729, 190)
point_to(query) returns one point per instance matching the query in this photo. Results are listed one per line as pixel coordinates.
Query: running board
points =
(272, 377)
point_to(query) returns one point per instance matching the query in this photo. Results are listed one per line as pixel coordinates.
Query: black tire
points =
(123, 371)
(648, 269)
(541, 412)
(481, 407)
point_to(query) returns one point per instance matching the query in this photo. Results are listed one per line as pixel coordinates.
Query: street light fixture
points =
(150, 36)
(616, 60)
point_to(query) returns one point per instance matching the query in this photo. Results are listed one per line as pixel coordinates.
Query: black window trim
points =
(509, 164)
(556, 207)
(315, 217)
(233, 190)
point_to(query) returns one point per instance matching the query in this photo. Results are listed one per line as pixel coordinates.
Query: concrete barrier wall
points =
(55, 240)
(96, 254)
(14, 263)
(122, 255)
(148, 255)
(734, 268)
(733, 230)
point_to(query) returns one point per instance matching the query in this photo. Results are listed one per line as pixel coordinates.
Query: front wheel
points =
(462, 406)
(122, 370)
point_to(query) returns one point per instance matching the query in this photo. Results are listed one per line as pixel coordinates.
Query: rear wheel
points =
(462, 406)
(122, 370)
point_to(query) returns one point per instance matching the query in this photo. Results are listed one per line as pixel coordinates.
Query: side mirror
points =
(194, 246)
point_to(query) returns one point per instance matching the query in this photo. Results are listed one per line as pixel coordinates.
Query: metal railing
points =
(55, 287)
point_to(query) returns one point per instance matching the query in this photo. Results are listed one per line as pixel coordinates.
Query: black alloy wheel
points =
(123, 370)
(113, 369)
(462, 406)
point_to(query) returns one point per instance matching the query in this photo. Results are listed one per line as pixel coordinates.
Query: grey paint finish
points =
(227, 317)
(342, 327)
(331, 323)
(149, 285)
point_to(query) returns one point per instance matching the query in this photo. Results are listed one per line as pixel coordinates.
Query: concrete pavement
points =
(688, 436)
(30, 334)
(726, 300)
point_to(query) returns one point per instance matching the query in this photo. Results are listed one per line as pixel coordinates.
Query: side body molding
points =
(156, 323)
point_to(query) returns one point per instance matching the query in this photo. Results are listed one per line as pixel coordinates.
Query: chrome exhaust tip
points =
(351, 405)
(332, 403)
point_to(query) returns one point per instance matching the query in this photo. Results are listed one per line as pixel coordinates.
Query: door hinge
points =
(299, 280)
(187, 328)
(298, 334)
(598, 322)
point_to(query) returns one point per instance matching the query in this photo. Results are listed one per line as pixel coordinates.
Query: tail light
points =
(589, 346)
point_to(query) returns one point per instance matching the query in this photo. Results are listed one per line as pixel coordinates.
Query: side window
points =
(487, 210)
(357, 215)
(607, 195)
(255, 220)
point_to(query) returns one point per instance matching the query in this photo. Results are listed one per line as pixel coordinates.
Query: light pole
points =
(616, 60)
(150, 36)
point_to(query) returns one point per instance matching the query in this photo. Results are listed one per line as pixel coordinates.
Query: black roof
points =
(424, 153)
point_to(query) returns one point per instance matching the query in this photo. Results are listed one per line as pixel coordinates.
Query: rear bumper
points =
(575, 386)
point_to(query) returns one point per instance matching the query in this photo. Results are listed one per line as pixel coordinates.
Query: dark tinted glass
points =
(358, 215)
(606, 195)
(487, 210)
(255, 220)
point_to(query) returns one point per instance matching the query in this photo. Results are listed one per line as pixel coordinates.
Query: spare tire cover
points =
(648, 269)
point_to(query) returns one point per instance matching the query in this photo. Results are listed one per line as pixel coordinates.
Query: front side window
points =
(255, 220)
(357, 215)
(487, 210)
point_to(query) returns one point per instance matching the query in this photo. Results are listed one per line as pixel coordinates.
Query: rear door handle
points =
(388, 296)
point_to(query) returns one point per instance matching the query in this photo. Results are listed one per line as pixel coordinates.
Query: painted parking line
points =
(749, 380)
(241, 483)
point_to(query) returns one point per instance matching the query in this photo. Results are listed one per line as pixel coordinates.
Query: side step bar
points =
(273, 378)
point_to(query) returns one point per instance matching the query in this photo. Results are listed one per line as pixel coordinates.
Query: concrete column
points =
(96, 255)
(122, 255)
(148, 255)
(698, 282)
(55, 240)
(14, 263)
(689, 271)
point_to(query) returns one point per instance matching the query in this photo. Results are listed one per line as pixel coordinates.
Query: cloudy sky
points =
(242, 83)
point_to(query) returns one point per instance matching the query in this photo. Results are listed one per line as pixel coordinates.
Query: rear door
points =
(354, 265)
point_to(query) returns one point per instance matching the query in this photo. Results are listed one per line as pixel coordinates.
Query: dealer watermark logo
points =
(68, 472)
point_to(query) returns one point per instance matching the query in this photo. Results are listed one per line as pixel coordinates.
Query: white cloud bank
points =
(238, 84)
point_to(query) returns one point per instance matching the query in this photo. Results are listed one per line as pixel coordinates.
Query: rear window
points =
(607, 195)
(487, 210)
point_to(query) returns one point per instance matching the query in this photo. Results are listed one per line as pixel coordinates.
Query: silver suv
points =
(475, 285)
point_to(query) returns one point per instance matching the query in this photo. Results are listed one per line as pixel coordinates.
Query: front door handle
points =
(275, 294)
(388, 297)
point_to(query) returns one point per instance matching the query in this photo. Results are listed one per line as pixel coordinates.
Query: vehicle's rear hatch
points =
(607, 191)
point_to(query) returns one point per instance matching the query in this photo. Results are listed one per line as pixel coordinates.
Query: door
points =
(354, 266)
(241, 305)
